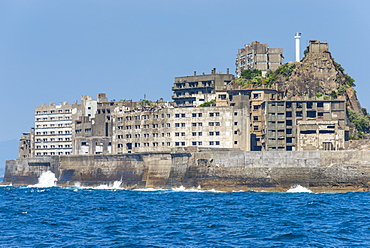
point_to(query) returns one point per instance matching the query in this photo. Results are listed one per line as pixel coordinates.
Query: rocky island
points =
(270, 127)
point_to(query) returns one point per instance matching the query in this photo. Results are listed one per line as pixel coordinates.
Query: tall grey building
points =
(258, 56)
(194, 90)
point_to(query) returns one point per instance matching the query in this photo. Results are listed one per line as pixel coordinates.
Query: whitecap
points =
(299, 189)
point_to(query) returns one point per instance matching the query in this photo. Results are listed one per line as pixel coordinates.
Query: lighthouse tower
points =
(297, 46)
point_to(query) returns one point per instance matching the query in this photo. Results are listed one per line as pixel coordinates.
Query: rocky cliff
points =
(317, 75)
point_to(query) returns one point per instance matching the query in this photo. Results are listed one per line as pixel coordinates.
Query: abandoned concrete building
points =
(258, 56)
(197, 89)
(304, 125)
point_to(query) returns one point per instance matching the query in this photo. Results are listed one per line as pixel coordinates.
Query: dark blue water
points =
(70, 217)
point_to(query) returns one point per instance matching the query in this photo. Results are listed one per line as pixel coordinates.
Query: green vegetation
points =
(305, 51)
(284, 70)
(253, 78)
(146, 103)
(350, 82)
(319, 95)
(341, 90)
(360, 134)
(249, 74)
(333, 95)
(208, 104)
(250, 78)
(362, 123)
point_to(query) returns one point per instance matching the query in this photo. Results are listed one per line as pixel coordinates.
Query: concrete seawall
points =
(221, 169)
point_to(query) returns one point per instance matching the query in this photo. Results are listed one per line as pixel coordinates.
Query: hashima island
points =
(271, 126)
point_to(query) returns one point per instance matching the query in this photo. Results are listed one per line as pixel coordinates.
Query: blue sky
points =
(54, 51)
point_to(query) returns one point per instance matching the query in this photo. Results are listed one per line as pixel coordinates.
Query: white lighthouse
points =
(297, 46)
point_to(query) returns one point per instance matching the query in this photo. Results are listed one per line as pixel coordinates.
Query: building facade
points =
(258, 56)
(53, 129)
(298, 125)
(191, 91)
(161, 129)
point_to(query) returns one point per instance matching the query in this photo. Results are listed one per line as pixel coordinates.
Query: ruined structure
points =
(191, 91)
(258, 56)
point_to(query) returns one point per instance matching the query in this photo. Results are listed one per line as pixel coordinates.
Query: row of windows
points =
(53, 125)
(155, 116)
(53, 139)
(54, 111)
(147, 135)
(53, 146)
(54, 118)
(96, 143)
(309, 114)
(53, 132)
(145, 126)
(194, 143)
(80, 130)
(52, 153)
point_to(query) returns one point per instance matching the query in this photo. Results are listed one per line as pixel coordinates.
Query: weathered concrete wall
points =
(222, 169)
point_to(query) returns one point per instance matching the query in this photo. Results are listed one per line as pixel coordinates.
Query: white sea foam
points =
(299, 189)
(198, 189)
(46, 179)
(113, 185)
(148, 189)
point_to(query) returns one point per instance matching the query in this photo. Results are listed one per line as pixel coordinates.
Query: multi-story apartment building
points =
(163, 128)
(258, 56)
(194, 90)
(297, 124)
(53, 129)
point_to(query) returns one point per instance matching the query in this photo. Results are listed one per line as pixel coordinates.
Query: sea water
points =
(110, 216)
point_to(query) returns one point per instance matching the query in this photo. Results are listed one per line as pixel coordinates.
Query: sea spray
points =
(298, 189)
(111, 185)
(46, 179)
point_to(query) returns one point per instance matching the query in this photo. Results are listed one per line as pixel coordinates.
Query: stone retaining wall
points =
(221, 169)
